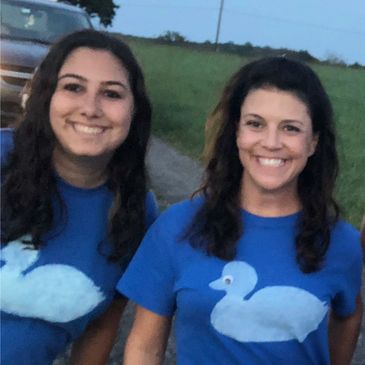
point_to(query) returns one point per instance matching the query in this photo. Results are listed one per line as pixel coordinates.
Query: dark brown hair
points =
(29, 182)
(217, 226)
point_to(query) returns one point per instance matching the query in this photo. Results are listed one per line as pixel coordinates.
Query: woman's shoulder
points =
(343, 230)
(178, 216)
(345, 240)
(6, 134)
(184, 209)
(6, 140)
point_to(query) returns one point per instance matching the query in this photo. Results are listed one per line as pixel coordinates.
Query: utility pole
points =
(219, 25)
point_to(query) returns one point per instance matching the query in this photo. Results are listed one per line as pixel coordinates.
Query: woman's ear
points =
(314, 143)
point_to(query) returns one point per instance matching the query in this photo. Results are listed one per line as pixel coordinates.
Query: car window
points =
(39, 22)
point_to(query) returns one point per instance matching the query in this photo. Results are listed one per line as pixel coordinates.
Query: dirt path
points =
(174, 177)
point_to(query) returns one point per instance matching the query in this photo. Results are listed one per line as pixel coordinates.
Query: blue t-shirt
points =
(49, 296)
(259, 308)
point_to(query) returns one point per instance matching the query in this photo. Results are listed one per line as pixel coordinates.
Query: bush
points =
(172, 37)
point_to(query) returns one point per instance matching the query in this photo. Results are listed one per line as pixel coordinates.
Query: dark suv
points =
(28, 27)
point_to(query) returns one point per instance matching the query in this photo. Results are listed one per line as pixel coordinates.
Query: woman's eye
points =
(291, 128)
(112, 94)
(73, 87)
(254, 123)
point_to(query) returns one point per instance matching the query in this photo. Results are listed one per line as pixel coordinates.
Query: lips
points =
(271, 162)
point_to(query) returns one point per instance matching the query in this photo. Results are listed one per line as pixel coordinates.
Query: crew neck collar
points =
(286, 220)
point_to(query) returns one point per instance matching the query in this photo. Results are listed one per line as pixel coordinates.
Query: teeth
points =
(273, 162)
(87, 129)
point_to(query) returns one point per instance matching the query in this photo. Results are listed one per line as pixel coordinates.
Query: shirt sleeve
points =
(344, 303)
(6, 140)
(150, 277)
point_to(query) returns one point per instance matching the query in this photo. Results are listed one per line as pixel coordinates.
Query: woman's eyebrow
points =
(252, 115)
(107, 83)
(297, 121)
(119, 83)
(73, 76)
(283, 121)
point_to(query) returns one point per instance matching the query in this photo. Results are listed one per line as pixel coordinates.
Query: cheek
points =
(243, 146)
(311, 145)
(59, 106)
(244, 140)
(53, 112)
(121, 115)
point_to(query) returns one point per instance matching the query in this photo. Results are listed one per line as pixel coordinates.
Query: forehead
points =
(94, 64)
(274, 101)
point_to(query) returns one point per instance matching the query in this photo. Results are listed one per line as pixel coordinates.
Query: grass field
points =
(185, 85)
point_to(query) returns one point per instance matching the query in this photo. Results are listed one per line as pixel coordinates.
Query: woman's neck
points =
(82, 172)
(270, 203)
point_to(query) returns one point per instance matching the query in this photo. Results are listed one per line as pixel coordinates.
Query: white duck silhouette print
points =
(272, 314)
(53, 292)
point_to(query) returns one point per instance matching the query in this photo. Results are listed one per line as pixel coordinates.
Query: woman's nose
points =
(91, 106)
(272, 139)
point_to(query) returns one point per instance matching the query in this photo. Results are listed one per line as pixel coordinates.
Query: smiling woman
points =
(274, 141)
(90, 113)
(75, 204)
(258, 268)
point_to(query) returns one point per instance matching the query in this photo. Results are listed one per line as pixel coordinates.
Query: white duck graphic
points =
(54, 292)
(272, 314)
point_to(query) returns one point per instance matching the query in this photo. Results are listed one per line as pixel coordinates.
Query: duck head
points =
(19, 254)
(238, 278)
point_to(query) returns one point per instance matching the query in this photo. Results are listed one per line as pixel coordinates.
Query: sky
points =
(325, 28)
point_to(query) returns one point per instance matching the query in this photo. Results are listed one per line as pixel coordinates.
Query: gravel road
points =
(173, 178)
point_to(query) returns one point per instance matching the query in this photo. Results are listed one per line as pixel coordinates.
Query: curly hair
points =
(217, 225)
(29, 185)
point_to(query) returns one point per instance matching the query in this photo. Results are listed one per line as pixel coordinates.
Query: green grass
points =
(185, 85)
(346, 89)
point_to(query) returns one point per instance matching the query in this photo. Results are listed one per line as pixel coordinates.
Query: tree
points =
(105, 9)
(334, 59)
(172, 37)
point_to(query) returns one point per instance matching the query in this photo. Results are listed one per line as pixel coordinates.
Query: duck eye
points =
(228, 279)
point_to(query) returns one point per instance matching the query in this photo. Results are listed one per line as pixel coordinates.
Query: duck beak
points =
(217, 284)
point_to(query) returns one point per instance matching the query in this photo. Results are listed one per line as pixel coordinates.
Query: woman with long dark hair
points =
(258, 267)
(75, 204)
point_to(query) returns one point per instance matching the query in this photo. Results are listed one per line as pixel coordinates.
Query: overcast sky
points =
(325, 28)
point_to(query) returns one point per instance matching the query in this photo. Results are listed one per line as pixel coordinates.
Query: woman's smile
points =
(91, 113)
(274, 140)
(271, 162)
(87, 129)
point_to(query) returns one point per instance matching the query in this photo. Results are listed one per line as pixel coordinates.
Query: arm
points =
(343, 334)
(95, 344)
(146, 343)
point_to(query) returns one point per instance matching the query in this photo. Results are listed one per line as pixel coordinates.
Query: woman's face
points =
(274, 140)
(92, 107)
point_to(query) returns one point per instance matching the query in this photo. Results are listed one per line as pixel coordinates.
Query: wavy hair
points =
(29, 184)
(217, 225)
